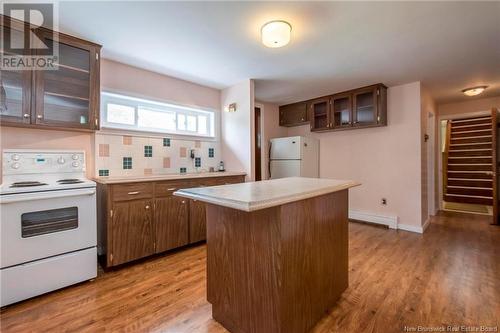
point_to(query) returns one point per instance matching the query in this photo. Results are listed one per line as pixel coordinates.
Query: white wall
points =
(386, 160)
(237, 128)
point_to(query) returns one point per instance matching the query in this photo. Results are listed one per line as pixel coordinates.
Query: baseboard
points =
(390, 221)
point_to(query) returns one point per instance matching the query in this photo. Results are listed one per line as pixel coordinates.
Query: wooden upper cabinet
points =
(69, 95)
(66, 96)
(15, 85)
(293, 114)
(319, 113)
(341, 111)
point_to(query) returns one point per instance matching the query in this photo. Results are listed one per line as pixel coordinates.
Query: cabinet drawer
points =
(124, 192)
(165, 189)
(230, 180)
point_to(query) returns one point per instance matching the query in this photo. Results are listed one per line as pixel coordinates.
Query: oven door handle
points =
(5, 199)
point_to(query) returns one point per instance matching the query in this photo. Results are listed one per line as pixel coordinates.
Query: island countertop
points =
(267, 193)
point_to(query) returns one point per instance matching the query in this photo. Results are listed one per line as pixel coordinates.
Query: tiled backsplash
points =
(126, 155)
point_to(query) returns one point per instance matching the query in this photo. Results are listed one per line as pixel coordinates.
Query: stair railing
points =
(445, 155)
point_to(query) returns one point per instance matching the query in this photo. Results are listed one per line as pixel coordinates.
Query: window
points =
(125, 112)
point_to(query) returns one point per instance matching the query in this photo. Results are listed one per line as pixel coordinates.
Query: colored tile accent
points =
(127, 140)
(182, 170)
(148, 172)
(166, 162)
(211, 152)
(197, 144)
(148, 151)
(197, 162)
(183, 152)
(103, 150)
(103, 173)
(166, 142)
(127, 163)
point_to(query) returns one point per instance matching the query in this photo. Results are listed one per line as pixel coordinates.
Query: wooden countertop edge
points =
(109, 181)
(257, 205)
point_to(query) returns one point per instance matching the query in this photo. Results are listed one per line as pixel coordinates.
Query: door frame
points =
(440, 140)
(431, 163)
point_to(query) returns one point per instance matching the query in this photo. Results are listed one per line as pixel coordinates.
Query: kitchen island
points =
(277, 251)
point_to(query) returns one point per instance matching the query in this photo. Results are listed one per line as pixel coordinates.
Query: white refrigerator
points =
(294, 156)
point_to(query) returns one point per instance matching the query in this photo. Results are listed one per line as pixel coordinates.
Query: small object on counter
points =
(221, 166)
(211, 169)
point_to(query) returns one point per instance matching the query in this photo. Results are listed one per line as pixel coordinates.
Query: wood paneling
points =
(277, 269)
(171, 223)
(131, 231)
(396, 279)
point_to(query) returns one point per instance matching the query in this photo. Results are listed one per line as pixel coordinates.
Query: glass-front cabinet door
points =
(341, 111)
(15, 85)
(365, 107)
(63, 96)
(320, 114)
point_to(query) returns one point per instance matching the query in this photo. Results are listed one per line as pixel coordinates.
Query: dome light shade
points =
(276, 33)
(474, 91)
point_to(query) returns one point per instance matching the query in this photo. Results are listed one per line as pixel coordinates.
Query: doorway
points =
(468, 163)
(258, 144)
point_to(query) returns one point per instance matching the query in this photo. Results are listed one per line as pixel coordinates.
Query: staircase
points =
(468, 160)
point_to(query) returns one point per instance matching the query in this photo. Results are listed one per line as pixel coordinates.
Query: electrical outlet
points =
(384, 201)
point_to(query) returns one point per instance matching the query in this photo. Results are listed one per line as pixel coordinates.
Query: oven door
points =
(44, 224)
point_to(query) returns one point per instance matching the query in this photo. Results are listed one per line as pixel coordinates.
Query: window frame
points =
(109, 97)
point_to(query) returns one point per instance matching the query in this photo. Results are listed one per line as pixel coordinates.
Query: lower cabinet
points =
(197, 222)
(171, 223)
(137, 220)
(131, 231)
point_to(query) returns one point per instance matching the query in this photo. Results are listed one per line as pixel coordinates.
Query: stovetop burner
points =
(69, 181)
(27, 184)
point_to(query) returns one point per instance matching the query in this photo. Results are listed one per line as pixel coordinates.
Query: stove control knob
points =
(61, 160)
(15, 165)
(75, 164)
(74, 156)
(15, 157)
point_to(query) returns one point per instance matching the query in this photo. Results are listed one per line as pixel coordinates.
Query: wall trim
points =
(391, 221)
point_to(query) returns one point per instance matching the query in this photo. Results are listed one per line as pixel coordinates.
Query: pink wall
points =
(115, 77)
(118, 77)
(24, 138)
(386, 160)
(473, 105)
(237, 128)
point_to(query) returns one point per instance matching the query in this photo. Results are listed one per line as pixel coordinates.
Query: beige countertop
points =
(268, 193)
(118, 180)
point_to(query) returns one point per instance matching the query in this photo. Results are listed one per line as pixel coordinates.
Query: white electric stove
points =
(48, 228)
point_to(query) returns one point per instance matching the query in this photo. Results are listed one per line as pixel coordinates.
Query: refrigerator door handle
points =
(269, 159)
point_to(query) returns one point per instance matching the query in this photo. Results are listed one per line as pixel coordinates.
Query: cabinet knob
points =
(183, 201)
(302, 119)
(26, 115)
(147, 207)
(39, 116)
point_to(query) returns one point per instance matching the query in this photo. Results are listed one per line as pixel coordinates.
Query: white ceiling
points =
(335, 45)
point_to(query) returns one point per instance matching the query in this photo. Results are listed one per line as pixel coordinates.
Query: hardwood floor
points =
(448, 276)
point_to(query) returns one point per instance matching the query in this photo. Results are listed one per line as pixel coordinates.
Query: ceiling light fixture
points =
(276, 33)
(474, 91)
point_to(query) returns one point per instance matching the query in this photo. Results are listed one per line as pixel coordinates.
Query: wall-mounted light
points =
(230, 108)
(276, 33)
(474, 91)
